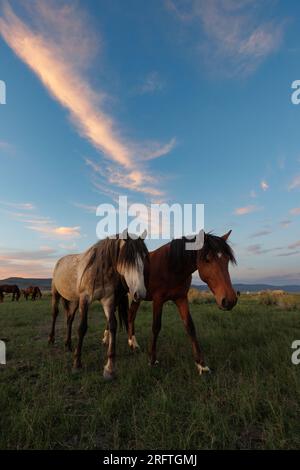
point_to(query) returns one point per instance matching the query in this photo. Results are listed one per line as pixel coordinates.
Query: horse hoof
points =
(203, 369)
(68, 348)
(76, 370)
(133, 344)
(51, 340)
(108, 376)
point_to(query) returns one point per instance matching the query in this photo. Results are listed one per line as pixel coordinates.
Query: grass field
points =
(252, 400)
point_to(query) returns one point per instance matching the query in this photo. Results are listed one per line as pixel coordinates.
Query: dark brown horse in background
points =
(34, 291)
(10, 289)
(169, 277)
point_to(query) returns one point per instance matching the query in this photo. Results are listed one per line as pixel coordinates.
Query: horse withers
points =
(169, 276)
(10, 289)
(105, 272)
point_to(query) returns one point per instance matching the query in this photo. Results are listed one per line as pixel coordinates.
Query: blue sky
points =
(176, 101)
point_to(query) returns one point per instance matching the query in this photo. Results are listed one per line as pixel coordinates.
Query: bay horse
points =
(104, 272)
(34, 291)
(10, 289)
(169, 277)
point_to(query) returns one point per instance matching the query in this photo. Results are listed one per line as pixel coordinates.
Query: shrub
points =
(197, 297)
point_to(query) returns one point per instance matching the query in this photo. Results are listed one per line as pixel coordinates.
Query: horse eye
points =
(206, 259)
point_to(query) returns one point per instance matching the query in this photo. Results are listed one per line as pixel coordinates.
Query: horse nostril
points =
(224, 303)
(135, 297)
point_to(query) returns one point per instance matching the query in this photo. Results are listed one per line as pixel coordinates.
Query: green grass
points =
(252, 400)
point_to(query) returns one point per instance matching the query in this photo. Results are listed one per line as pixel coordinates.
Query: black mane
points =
(213, 245)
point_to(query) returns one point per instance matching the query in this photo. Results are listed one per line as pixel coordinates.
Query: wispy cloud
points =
(151, 83)
(43, 225)
(232, 33)
(290, 253)
(52, 231)
(133, 180)
(246, 210)
(260, 233)
(27, 206)
(285, 223)
(292, 246)
(49, 45)
(264, 185)
(27, 263)
(257, 249)
(86, 207)
(295, 183)
(295, 211)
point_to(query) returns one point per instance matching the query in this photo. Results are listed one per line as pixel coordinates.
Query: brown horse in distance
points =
(10, 289)
(34, 291)
(169, 277)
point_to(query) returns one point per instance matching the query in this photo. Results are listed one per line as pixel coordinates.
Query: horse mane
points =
(107, 253)
(212, 246)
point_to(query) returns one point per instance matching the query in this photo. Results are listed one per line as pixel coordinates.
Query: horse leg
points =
(70, 308)
(13, 297)
(109, 369)
(184, 311)
(82, 329)
(55, 302)
(105, 339)
(156, 326)
(132, 342)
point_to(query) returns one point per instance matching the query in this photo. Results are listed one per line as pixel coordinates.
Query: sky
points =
(163, 101)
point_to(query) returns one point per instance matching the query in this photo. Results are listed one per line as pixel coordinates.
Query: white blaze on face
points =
(134, 277)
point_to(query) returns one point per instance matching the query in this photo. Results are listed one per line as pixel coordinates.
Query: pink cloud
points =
(295, 211)
(246, 210)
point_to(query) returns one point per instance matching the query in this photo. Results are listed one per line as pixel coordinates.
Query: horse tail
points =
(123, 309)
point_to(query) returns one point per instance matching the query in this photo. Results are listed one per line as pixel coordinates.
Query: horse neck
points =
(189, 266)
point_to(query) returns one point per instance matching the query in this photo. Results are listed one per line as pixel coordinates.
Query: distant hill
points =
(255, 287)
(44, 284)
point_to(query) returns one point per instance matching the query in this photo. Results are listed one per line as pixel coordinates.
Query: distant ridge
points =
(45, 284)
(255, 287)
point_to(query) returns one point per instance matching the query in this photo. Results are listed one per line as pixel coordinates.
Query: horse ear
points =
(226, 236)
(144, 235)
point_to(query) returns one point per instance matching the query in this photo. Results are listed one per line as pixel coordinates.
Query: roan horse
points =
(13, 289)
(34, 291)
(169, 278)
(105, 272)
